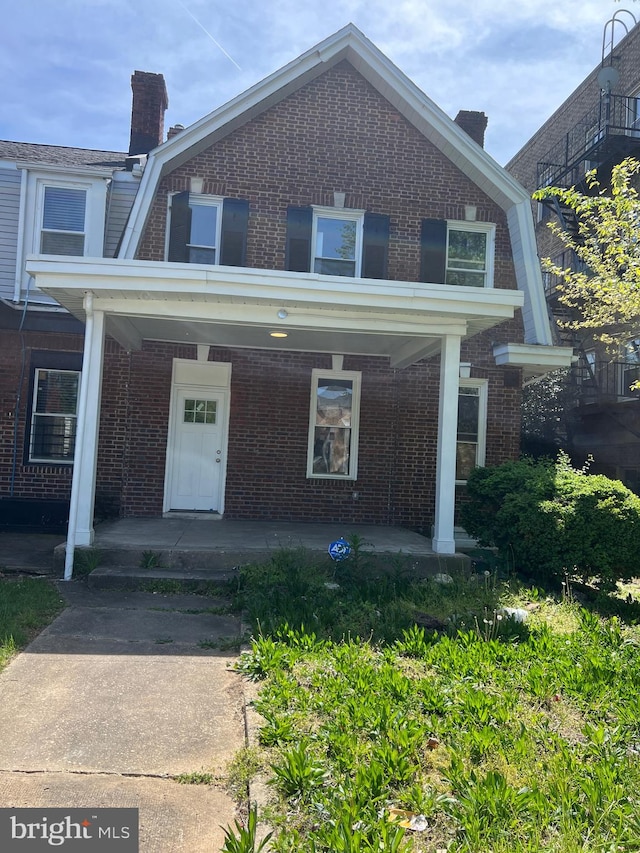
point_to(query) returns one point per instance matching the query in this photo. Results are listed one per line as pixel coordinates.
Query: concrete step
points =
(175, 559)
(133, 578)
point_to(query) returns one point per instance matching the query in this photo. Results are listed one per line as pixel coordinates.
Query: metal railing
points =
(610, 127)
(609, 381)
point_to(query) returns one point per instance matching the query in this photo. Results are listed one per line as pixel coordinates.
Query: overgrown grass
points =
(27, 605)
(485, 734)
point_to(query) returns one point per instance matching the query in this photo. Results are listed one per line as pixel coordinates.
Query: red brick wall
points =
(336, 134)
(51, 482)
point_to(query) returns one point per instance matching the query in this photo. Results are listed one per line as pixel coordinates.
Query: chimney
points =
(474, 124)
(147, 112)
(174, 130)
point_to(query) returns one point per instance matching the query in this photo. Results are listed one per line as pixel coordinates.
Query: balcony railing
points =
(606, 381)
(609, 131)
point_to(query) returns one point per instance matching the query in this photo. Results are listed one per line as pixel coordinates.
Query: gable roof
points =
(59, 155)
(351, 45)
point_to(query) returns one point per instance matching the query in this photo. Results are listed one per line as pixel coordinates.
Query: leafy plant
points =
(297, 772)
(151, 560)
(85, 560)
(556, 522)
(243, 839)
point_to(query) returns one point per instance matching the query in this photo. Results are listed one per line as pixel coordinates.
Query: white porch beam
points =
(443, 538)
(414, 351)
(124, 332)
(83, 486)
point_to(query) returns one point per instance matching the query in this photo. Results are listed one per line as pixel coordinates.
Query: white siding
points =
(9, 223)
(121, 196)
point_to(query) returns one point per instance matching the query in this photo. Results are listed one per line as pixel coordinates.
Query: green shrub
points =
(549, 520)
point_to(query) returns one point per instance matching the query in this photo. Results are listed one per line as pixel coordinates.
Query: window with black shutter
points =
(208, 230)
(337, 241)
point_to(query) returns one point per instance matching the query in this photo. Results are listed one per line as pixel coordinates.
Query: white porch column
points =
(83, 485)
(443, 537)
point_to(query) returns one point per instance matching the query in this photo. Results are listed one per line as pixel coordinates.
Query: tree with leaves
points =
(603, 295)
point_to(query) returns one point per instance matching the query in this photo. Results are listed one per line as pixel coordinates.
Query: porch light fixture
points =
(278, 334)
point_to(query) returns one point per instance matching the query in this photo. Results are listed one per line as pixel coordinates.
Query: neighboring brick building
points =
(323, 303)
(596, 127)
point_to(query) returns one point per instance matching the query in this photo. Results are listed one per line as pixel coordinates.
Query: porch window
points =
(472, 420)
(54, 415)
(333, 425)
(63, 221)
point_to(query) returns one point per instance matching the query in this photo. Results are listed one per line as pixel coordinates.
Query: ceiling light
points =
(278, 334)
(282, 314)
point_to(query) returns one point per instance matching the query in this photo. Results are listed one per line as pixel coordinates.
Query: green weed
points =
(27, 605)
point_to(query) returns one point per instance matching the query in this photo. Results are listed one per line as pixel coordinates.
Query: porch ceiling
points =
(225, 306)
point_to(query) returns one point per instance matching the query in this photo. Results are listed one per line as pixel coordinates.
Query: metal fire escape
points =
(608, 133)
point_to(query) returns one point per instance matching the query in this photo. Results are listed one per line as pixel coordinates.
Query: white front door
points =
(197, 450)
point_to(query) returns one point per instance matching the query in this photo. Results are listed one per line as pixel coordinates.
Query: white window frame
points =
(487, 228)
(49, 460)
(347, 214)
(41, 212)
(481, 445)
(355, 377)
(204, 200)
(31, 234)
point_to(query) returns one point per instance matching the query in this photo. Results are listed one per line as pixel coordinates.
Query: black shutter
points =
(299, 227)
(180, 228)
(375, 245)
(433, 250)
(233, 242)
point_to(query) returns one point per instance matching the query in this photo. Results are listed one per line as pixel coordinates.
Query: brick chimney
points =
(174, 130)
(474, 124)
(147, 112)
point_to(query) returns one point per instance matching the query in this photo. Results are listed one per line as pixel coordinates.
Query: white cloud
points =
(70, 61)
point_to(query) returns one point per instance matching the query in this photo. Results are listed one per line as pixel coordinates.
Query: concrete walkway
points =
(123, 691)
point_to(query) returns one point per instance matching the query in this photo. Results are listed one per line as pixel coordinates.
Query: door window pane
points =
(200, 411)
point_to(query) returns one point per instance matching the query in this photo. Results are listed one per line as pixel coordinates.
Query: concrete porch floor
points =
(203, 548)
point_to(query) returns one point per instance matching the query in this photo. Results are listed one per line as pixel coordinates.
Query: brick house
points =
(317, 303)
(596, 127)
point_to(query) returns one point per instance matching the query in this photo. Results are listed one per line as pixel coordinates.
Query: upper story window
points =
(337, 241)
(206, 229)
(63, 220)
(467, 257)
(457, 253)
(62, 215)
(333, 424)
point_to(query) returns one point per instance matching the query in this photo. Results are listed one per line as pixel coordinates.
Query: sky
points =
(66, 65)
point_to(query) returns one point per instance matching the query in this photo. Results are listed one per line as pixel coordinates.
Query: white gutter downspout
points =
(82, 417)
(17, 288)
